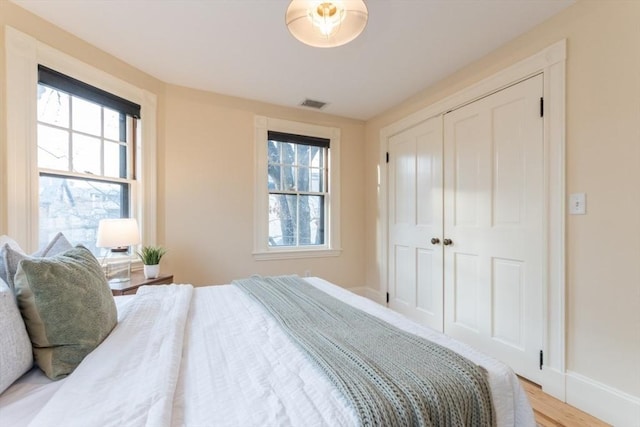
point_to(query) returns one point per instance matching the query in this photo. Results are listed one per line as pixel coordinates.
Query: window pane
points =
(288, 153)
(274, 178)
(303, 155)
(282, 220)
(75, 206)
(316, 183)
(86, 154)
(288, 178)
(310, 220)
(87, 116)
(115, 160)
(53, 106)
(273, 152)
(316, 155)
(112, 125)
(53, 148)
(303, 179)
(303, 170)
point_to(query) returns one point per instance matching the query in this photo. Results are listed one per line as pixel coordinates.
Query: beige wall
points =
(208, 190)
(602, 159)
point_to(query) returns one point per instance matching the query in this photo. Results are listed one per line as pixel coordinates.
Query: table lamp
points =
(118, 235)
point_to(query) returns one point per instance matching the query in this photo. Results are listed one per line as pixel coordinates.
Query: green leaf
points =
(151, 255)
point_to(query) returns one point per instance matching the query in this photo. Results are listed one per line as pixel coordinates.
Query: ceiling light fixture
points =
(321, 23)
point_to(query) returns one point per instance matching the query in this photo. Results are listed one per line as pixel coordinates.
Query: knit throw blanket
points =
(390, 377)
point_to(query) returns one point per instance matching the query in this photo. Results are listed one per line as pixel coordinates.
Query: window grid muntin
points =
(125, 167)
(321, 169)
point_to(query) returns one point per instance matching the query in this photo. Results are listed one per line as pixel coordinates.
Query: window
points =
(297, 170)
(297, 192)
(86, 140)
(24, 56)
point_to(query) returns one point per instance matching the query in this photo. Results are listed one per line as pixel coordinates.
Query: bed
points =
(214, 356)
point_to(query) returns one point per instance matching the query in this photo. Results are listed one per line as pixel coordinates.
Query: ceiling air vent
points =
(311, 103)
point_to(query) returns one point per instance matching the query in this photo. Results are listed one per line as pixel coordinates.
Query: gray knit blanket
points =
(389, 376)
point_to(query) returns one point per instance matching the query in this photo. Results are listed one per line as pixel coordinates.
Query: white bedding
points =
(23, 400)
(238, 369)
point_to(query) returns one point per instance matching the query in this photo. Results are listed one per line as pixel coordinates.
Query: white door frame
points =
(551, 63)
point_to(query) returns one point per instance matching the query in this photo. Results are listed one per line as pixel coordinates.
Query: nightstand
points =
(137, 280)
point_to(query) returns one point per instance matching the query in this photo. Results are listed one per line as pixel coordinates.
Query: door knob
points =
(435, 241)
(447, 242)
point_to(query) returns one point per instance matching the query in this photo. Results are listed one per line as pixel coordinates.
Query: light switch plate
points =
(578, 203)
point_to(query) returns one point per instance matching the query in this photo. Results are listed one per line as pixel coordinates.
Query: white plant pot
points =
(151, 271)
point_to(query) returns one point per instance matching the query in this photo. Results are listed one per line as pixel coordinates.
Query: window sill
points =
(295, 254)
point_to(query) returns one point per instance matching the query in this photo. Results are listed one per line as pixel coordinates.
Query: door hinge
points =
(541, 359)
(387, 297)
(541, 107)
(387, 157)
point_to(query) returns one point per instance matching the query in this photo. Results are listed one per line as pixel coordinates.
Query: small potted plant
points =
(150, 256)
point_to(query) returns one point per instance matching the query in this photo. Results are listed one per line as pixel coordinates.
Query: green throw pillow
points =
(67, 306)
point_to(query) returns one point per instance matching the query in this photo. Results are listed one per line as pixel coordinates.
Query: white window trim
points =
(262, 251)
(23, 54)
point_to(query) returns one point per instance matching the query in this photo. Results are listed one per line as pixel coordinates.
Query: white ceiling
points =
(242, 47)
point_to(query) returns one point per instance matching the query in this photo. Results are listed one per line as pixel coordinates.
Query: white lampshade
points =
(328, 23)
(115, 233)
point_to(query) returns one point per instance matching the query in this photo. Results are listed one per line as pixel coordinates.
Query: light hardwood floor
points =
(550, 412)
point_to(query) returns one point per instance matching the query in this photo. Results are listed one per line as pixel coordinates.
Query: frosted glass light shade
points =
(320, 23)
(115, 233)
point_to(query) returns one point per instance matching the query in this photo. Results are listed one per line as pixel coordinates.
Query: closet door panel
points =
(415, 218)
(508, 302)
(464, 308)
(493, 215)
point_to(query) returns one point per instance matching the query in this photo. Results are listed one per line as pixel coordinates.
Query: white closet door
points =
(415, 218)
(493, 205)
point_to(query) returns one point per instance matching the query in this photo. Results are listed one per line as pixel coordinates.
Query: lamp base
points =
(118, 269)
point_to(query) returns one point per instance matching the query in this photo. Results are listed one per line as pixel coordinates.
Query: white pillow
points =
(12, 257)
(16, 356)
(56, 246)
(6, 241)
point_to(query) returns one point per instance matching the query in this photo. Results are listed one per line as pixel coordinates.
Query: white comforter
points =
(130, 379)
(218, 359)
